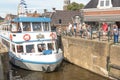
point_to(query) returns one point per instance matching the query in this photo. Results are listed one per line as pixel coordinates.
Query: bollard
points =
(99, 35)
(91, 33)
(115, 38)
(108, 36)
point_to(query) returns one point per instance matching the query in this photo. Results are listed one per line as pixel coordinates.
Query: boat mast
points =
(22, 9)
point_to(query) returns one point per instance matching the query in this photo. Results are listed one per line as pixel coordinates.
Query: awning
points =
(107, 18)
(31, 19)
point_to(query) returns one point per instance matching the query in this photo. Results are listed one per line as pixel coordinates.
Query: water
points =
(67, 71)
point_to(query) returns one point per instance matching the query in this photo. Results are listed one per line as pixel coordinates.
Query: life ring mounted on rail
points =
(52, 35)
(11, 37)
(26, 37)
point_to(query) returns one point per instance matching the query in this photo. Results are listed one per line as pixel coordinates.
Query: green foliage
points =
(1, 20)
(75, 6)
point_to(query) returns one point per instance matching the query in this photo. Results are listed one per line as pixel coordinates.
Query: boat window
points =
(51, 46)
(41, 47)
(30, 48)
(19, 48)
(13, 48)
(37, 26)
(18, 28)
(9, 28)
(26, 26)
(46, 26)
(14, 27)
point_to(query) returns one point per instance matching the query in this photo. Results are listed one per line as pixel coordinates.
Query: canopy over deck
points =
(31, 19)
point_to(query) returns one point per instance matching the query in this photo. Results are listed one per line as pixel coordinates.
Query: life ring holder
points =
(53, 35)
(26, 37)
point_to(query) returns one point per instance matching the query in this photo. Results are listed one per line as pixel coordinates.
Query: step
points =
(114, 76)
(114, 66)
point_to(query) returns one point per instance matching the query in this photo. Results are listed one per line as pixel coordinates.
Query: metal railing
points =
(94, 35)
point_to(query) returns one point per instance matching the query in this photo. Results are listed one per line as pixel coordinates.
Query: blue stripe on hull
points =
(27, 61)
(32, 19)
(27, 41)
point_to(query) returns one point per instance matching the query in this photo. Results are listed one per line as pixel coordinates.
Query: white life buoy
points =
(26, 37)
(11, 37)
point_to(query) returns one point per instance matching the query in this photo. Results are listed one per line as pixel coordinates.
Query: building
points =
(98, 11)
(61, 18)
(66, 3)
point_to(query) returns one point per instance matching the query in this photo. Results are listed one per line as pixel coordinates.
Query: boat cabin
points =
(30, 24)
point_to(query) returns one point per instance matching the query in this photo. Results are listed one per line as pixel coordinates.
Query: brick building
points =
(98, 11)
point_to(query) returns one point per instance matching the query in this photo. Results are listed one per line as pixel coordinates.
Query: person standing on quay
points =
(75, 26)
(70, 28)
(104, 29)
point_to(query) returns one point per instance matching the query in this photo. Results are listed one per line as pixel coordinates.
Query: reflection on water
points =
(66, 71)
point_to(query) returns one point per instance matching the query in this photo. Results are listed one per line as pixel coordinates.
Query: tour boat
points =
(30, 42)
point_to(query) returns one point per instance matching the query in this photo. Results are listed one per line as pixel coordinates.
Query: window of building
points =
(60, 21)
(107, 2)
(104, 4)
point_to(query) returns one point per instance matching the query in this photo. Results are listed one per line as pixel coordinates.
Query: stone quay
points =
(99, 57)
(2, 50)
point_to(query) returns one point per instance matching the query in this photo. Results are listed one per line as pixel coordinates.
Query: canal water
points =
(66, 71)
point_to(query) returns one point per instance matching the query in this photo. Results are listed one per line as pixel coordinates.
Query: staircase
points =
(114, 71)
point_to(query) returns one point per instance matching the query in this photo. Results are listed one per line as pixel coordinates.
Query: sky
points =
(10, 6)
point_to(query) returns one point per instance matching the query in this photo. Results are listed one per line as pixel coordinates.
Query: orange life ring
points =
(11, 36)
(26, 37)
(53, 35)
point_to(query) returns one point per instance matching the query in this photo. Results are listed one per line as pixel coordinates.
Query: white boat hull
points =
(35, 66)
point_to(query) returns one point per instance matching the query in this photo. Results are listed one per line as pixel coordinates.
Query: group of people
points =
(109, 30)
(85, 30)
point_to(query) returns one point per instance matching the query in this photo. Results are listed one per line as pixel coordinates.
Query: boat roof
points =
(31, 19)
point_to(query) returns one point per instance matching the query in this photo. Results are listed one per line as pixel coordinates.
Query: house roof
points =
(109, 17)
(116, 3)
(1, 18)
(47, 14)
(94, 3)
(64, 16)
(10, 16)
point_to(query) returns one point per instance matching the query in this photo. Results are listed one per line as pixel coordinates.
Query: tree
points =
(75, 6)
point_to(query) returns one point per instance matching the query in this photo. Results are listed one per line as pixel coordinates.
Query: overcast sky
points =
(10, 6)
